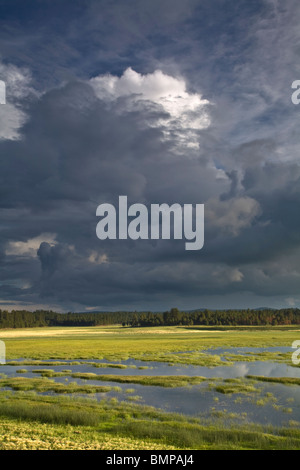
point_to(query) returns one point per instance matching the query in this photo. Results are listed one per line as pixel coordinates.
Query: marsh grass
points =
(129, 424)
(113, 366)
(33, 435)
(155, 380)
(196, 358)
(28, 362)
(138, 423)
(134, 398)
(65, 363)
(47, 385)
(161, 344)
(279, 380)
(158, 381)
(48, 414)
(275, 356)
(230, 386)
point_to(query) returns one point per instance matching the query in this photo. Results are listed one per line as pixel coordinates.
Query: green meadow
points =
(119, 343)
(46, 408)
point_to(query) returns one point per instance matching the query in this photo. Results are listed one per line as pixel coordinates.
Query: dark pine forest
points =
(247, 317)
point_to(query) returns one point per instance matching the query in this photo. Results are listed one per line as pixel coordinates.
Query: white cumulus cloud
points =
(186, 113)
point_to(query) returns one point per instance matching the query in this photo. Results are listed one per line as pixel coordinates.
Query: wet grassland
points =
(150, 388)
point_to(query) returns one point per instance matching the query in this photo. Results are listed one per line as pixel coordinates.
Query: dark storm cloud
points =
(79, 146)
(76, 152)
(80, 152)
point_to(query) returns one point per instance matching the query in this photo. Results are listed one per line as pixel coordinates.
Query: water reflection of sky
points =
(205, 402)
(239, 369)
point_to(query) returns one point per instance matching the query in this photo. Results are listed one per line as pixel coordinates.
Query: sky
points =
(162, 101)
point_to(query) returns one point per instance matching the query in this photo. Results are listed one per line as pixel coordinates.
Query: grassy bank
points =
(30, 421)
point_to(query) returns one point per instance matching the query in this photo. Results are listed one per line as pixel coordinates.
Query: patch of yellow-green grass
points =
(102, 365)
(197, 358)
(47, 421)
(65, 363)
(28, 362)
(230, 386)
(23, 435)
(279, 380)
(275, 356)
(46, 385)
(116, 343)
(155, 380)
(265, 399)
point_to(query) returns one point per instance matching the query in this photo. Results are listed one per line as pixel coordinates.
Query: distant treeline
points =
(40, 318)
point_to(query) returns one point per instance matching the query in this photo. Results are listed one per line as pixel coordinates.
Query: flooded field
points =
(257, 401)
(130, 379)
